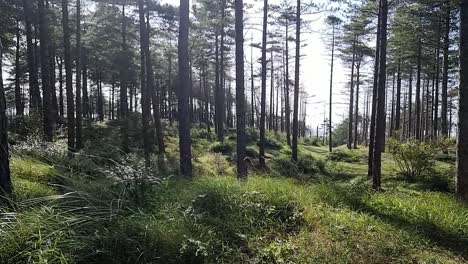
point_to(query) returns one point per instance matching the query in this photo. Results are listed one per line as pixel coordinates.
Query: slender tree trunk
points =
(184, 121)
(221, 94)
(272, 90)
(462, 147)
(35, 104)
(398, 99)
(153, 92)
(240, 102)
(79, 106)
(287, 106)
(356, 111)
(5, 178)
(263, 97)
(351, 98)
(123, 86)
(373, 121)
(145, 93)
(252, 89)
(410, 105)
(330, 110)
(392, 114)
(436, 96)
(68, 78)
(296, 81)
(48, 114)
(444, 124)
(61, 103)
(380, 116)
(18, 97)
(418, 93)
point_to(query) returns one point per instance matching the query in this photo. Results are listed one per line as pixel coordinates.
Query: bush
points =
(200, 133)
(305, 168)
(224, 147)
(271, 143)
(344, 156)
(413, 158)
(312, 141)
(251, 135)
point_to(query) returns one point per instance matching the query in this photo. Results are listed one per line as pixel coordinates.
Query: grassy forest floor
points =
(100, 207)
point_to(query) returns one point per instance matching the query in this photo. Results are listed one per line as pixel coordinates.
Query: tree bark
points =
(330, 110)
(35, 104)
(5, 177)
(351, 98)
(48, 114)
(68, 77)
(123, 86)
(263, 95)
(18, 97)
(444, 125)
(79, 106)
(462, 147)
(240, 101)
(380, 116)
(184, 85)
(398, 99)
(296, 82)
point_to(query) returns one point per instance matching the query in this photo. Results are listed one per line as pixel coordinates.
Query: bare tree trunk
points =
(380, 117)
(444, 124)
(240, 102)
(145, 93)
(48, 114)
(398, 99)
(418, 93)
(462, 147)
(330, 110)
(356, 111)
(372, 129)
(68, 78)
(296, 81)
(79, 106)
(263, 96)
(33, 82)
(5, 178)
(287, 106)
(18, 97)
(351, 98)
(123, 86)
(184, 85)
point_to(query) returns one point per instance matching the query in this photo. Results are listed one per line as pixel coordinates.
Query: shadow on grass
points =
(456, 243)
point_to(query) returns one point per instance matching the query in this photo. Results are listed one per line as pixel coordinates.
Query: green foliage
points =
(414, 159)
(224, 147)
(252, 135)
(312, 141)
(345, 155)
(306, 168)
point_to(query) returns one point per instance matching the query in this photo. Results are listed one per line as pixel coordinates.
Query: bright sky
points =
(315, 65)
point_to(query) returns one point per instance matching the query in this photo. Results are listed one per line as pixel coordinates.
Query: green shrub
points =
(251, 135)
(200, 133)
(271, 143)
(224, 147)
(414, 159)
(312, 141)
(344, 155)
(306, 167)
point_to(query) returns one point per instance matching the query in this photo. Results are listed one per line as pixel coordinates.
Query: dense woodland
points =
(146, 131)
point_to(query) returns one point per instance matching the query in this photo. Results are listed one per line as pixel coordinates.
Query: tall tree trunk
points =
(123, 86)
(263, 96)
(145, 93)
(436, 96)
(296, 82)
(272, 90)
(444, 124)
(154, 94)
(380, 116)
(240, 101)
(79, 106)
(418, 93)
(351, 98)
(410, 105)
(68, 78)
(356, 111)
(18, 97)
(221, 94)
(392, 113)
(372, 129)
(330, 110)
(252, 88)
(462, 147)
(5, 178)
(32, 69)
(184, 121)
(61, 103)
(398, 99)
(287, 106)
(48, 114)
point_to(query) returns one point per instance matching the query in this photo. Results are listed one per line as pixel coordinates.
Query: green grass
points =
(323, 211)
